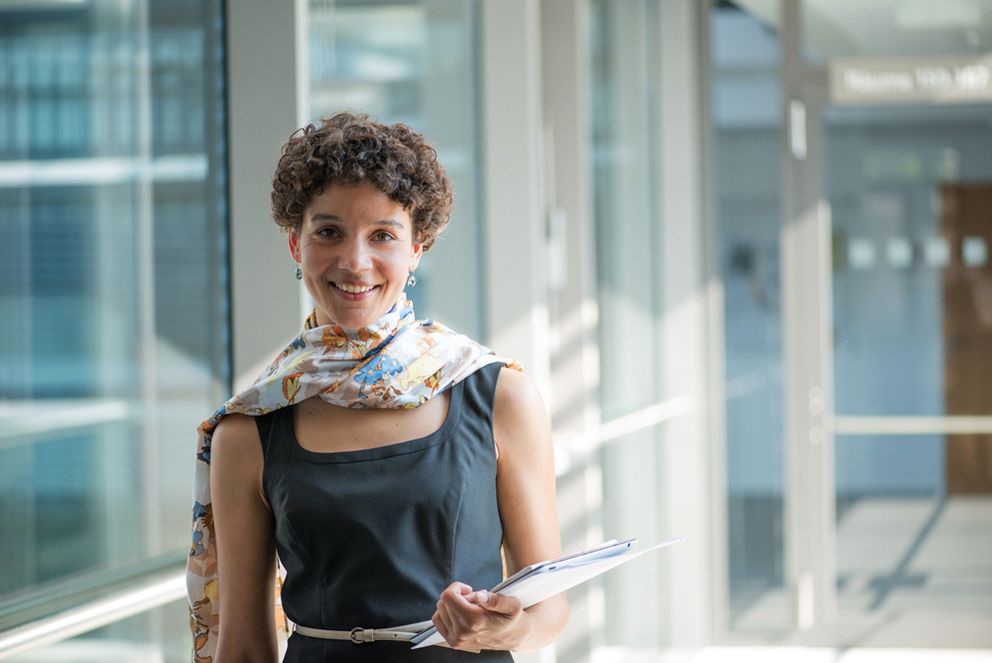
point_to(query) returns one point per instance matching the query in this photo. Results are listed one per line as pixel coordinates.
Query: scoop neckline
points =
(375, 453)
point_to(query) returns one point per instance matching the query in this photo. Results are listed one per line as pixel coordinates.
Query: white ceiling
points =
(849, 28)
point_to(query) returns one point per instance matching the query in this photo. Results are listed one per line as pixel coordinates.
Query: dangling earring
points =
(411, 281)
(299, 273)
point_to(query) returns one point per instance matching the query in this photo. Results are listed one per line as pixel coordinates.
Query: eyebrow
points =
(330, 217)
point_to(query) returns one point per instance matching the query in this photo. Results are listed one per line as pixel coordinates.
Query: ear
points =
(416, 255)
(294, 245)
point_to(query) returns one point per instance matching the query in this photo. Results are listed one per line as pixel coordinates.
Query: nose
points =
(356, 256)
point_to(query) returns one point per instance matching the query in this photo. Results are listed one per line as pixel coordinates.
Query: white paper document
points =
(536, 582)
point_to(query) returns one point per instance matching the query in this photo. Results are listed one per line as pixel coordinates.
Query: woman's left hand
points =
(474, 621)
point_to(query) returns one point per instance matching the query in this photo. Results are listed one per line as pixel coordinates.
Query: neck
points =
(322, 319)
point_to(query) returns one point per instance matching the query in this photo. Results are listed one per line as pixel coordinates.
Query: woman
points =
(388, 461)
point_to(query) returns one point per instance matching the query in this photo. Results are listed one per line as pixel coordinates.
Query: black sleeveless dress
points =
(371, 538)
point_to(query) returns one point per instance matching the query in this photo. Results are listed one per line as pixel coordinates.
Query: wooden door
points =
(966, 224)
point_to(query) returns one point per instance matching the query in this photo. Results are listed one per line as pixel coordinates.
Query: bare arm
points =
(525, 489)
(245, 534)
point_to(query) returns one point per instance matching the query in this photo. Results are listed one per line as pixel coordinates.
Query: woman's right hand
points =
(473, 621)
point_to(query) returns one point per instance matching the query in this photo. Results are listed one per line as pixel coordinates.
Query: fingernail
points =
(483, 596)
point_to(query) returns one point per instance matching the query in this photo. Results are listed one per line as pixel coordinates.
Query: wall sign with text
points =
(911, 81)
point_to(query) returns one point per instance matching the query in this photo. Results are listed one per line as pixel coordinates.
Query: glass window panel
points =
(416, 62)
(914, 525)
(113, 287)
(747, 129)
(911, 332)
(624, 161)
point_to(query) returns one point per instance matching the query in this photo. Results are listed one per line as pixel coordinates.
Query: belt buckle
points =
(357, 635)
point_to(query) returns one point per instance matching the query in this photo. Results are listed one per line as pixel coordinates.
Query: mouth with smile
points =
(354, 292)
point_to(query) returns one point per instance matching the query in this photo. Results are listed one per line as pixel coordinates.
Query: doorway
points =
(887, 273)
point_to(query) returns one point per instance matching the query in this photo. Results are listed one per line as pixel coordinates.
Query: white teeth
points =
(354, 289)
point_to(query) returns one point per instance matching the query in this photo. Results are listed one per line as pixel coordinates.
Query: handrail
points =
(910, 425)
(29, 417)
(157, 589)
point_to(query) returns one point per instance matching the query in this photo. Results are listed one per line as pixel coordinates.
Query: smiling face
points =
(356, 249)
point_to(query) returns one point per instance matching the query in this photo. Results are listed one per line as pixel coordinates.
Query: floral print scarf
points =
(397, 362)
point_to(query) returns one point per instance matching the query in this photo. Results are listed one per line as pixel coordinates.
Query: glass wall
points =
(747, 126)
(906, 183)
(910, 190)
(416, 62)
(624, 65)
(113, 286)
(908, 180)
(902, 281)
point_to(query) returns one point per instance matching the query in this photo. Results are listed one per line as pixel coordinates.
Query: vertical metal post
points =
(716, 433)
(806, 317)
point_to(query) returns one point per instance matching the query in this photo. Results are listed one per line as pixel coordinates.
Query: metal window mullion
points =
(150, 497)
(716, 423)
(820, 397)
(800, 530)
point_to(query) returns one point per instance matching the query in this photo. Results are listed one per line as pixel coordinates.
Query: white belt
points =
(360, 635)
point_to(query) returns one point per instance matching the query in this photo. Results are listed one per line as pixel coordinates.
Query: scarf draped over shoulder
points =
(397, 362)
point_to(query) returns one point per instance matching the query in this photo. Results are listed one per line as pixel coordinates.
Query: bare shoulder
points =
(515, 389)
(235, 441)
(519, 417)
(236, 429)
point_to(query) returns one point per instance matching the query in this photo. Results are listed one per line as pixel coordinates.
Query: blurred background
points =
(742, 246)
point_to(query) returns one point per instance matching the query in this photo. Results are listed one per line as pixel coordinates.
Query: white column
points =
(573, 310)
(514, 209)
(685, 450)
(267, 101)
(514, 212)
(573, 306)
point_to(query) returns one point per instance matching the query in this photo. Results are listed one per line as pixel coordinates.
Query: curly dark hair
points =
(350, 148)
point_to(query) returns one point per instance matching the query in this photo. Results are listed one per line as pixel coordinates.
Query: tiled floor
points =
(911, 571)
(916, 555)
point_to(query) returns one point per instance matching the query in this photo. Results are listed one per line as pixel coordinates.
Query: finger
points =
(473, 598)
(462, 623)
(493, 602)
(461, 626)
(441, 627)
(462, 604)
(457, 633)
(456, 589)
